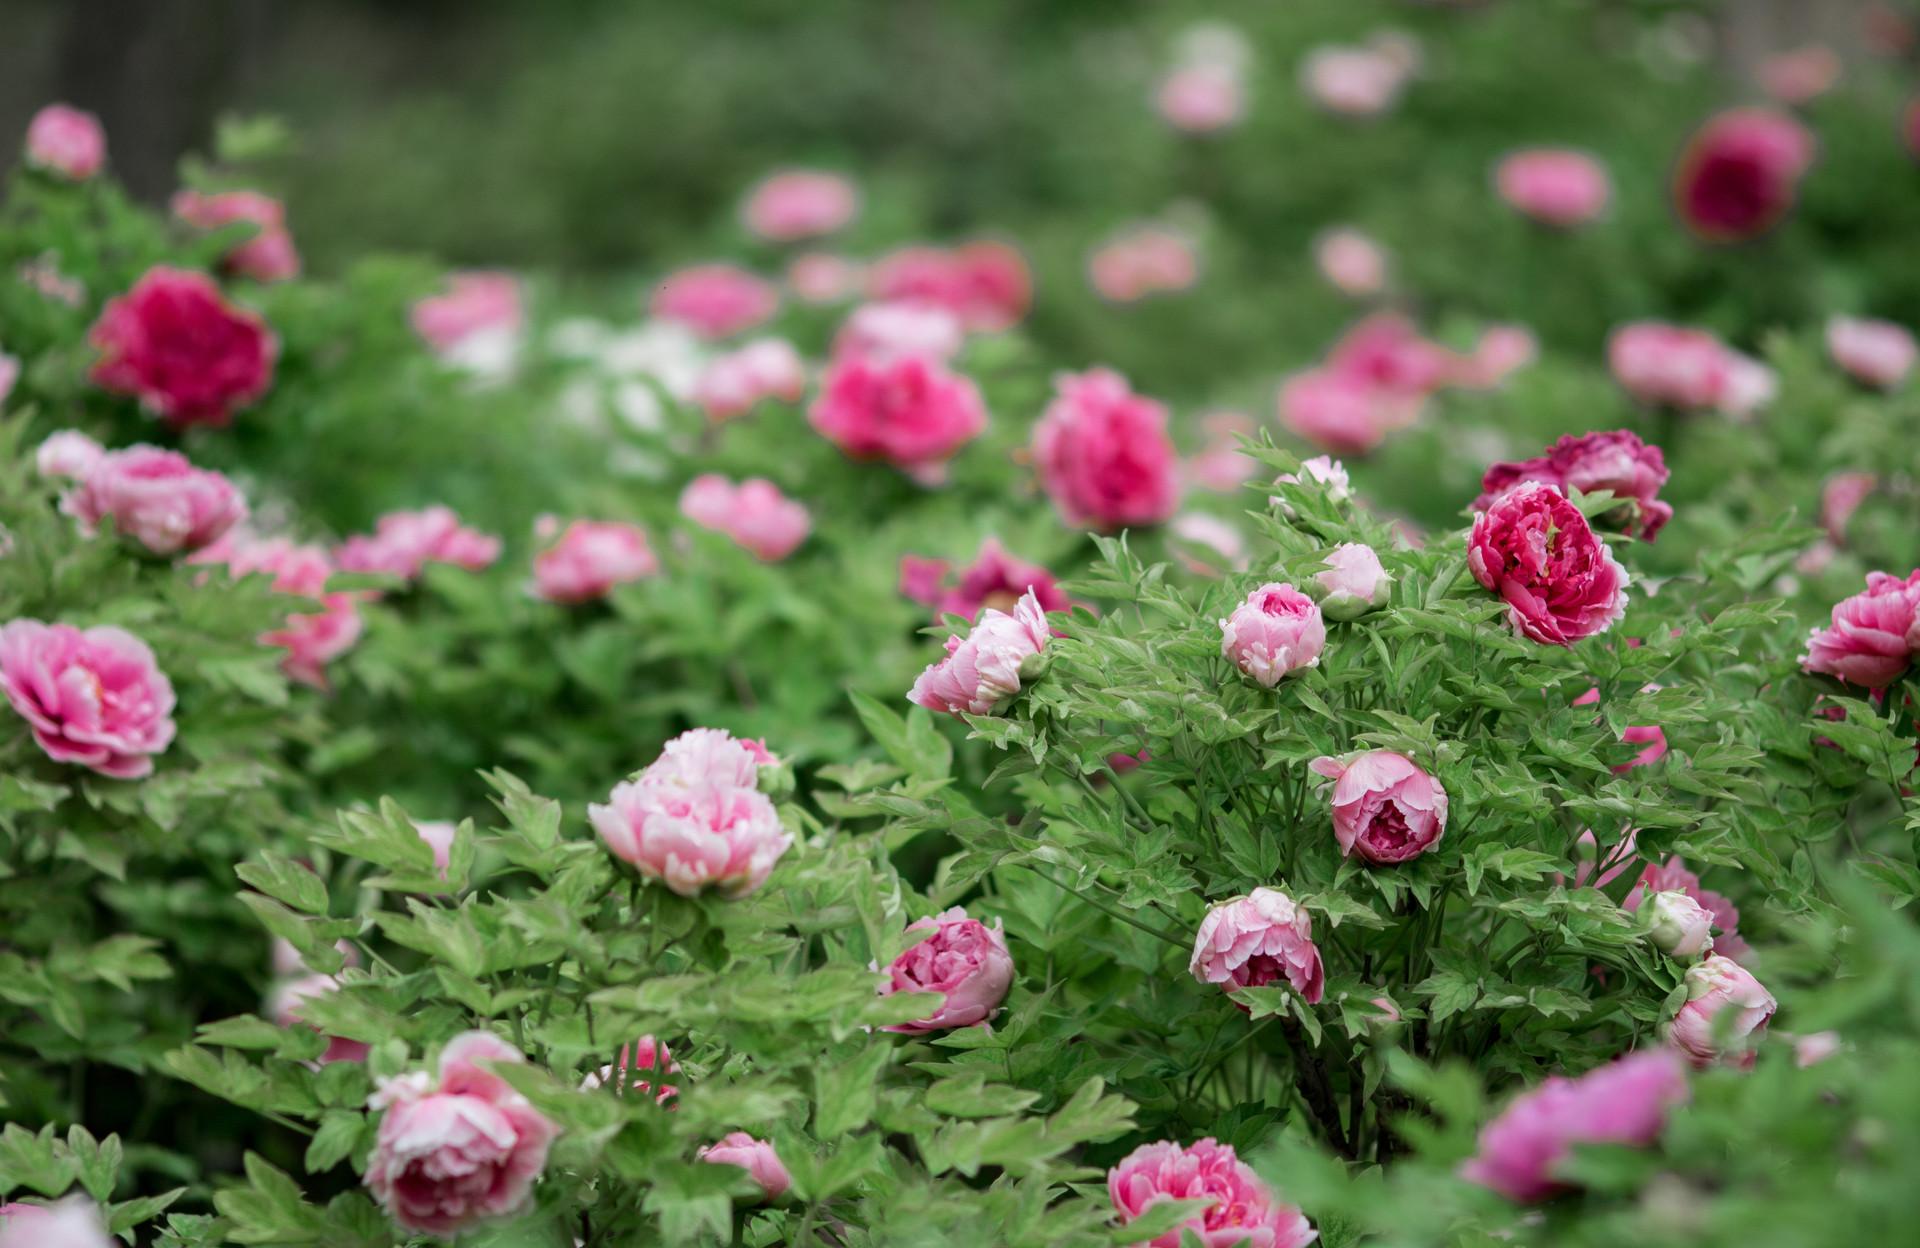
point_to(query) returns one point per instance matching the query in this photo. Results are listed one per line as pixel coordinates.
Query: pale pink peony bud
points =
(94, 697)
(1324, 471)
(157, 498)
(1725, 1013)
(1277, 631)
(984, 669)
(962, 959)
(1259, 939)
(756, 1157)
(1241, 1210)
(284, 1007)
(1353, 81)
(1879, 353)
(1353, 583)
(800, 203)
(1202, 98)
(1677, 924)
(1386, 808)
(66, 141)
(590, 558)
(67, 454)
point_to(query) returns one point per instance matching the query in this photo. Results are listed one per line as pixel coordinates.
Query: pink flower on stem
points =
(1739, 174)
(736, 382)
(1878, 353)
(1352, 262)
(1242, 1211)
(403, 543)
(284, 1007)
(1871, 636)
(755, 514)
(439, 835)
(1145, 260)
(1840, 497)
(1666, 365)
(590, 558)
(1618, 462)
(885, 330)
(1353, 81)
(1673, 876)
(1256, 940)
(1554, 186)
(800, 203)
(463, 1151)
(269, 254)
(157, 498)
(1103, 453)
(1560, 582)
(1339, 412)
(985, 284)
(1678, 925)
(994, 579)
(756, 1157)
(1725, 1014)
(1353, 582)
(1386, 808)
(960, 958)
(95, 697)
(922, 579)
(9, 375)
(1277, 631)
(715, 300)
(644, 1056)
(983, 670)
(907, 410)
(311, 639)
(66, 141)
(177, 345)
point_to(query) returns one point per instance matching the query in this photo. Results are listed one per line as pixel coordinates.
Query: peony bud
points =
(986, 667)
(1275, 632)
(959, 957)
(1726, 1011)
(1256, 940)
(1385, 807)
(68, 454)
(756, 1157)
(1353, 584)
(1238, 1207)
(66, 141)
(1677, 924)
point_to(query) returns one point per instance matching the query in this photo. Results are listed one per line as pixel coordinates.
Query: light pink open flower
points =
(403, 543)
(754, 513)
(1353, 582)
(884, 330)
(1671, 366)
(312, 639)
(1259, 939)
(1617, 461)
(1871, 636)
(1103, 453)
(1726, 1012)
(1386, 808)
(66, 141)
(269, 254)
(1141, 261)
(1624, 1102)
(1277, 631)
(67, 455)
(1353, 81)
(1336, 411)
(176, 344)
(284, 1007)
(982, 670)
(962, 959)
(1878, 353)
(1560, 582)
(756, 1157)
(735, 382)
(457, 1153)
(591, 557)
(629, 1072)
(1554, 186)
(905, 409)
(157, 498)
(1243, 1212)
(72, 1223)
(715, 300)
(1351, 261)
(800, 203)
(93, 697)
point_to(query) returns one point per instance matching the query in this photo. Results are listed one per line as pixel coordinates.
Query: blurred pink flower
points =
(1740, 173)
(1801, 75)
(1353, 81)
(311, 639)
(269, 255)
(1352, 262)
(1725, 1013)
(986, 284)
(1142, 261)
(800, 203)
(403, 543)
(715, 300)
(175, 343)
(1879, 353)
(473, 303)
(907, 410)
(886, 330)
(284, 1007)
(820, 277)
(1202, 98)
(156, 498)
(590, 558)
(1554, 186)
(66, 141)
(734, 383)
(1103, 453)
(95, 697)
(755, 514)
(1534, 549)
(1871, 636)
(1840, 497)
(756, 1157)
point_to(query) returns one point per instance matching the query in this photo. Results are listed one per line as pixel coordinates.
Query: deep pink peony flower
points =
(403, 543)
(885, 330)
(922, 579)
(1560, 582)
(1872, 634)
(734, 383)
(93, 697)
(715, 300)
(66, 141)
(1840, 497)
(1103, 453)
(800, 203)
(157, 498)
(985, 284)
(269, 255)
(1387, 352)
(1352, 262)
(1554, 186)
(283, 1006)
(474, 303)
(1879, 353)
(1624, 1102)
(642, 1057)
(1725, 1014)
(1277, 631)
(1202, 98)
(1670, 366)
(999, 580)
(983, 669)
(1353, 582)
(756, 1157)
(961, 958)
(1142, 261)
(1673, 876)
(755, 514)
(591, 557)
(1740, 172)
(1385, 806)
(1617, 461)
(178, 346)
(68, 454)
(72, 1223)
(465, 1151)
(311, 639)
(1256, 940)
(907, 410)
(1244, 1212)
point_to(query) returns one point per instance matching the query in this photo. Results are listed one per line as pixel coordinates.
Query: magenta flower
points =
(1103, 453)
(755, 514)
(1740, 173)
(1560, 582)
(985, 284)
(756, 1157)
(908, 410)
(1243, 1212)
(93, 697)
(177, 345)
(962, 959)
(1618, 462)
(1554, 186)
(590, 558)
(312, 639)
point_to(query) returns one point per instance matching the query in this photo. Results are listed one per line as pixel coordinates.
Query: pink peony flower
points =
(907, 410)
(1673, 876)
(157, 498)
(923, 580)
(983, 669)
(1207, 538)
(821, 277)
(800, 203)
(1678, 925)
(1560, 582)
(269, 255)
(1724, 1016)
(715, 300)
(644, 1055)
(1244, 1211)
(66, 141)
(93, 697)
(708, 757)
(283, 1006)
(985, 284)
(1811, 1050)
(885, 330)
(1670, 366)
(474, 303)
(755, 514)
(1338, 411)
(1502, 351)
(311, 639)
(1352, 262)
(1554, 186)
(1103, 453)
(1256, 940)
(1618, 462)
(1624, 1102)
(1740, 172)
(465, 1151)
(590, 558)
(734, 383)
(1840, 497)
(961, 958)
(1386, 351)
(994, 579)
(1202, 98)
(73, 1223)
(1801, 75)
(1145, 260)
(177, 345)
(1353, 583)
(1353, 81)
(1879, 353)
(68, 454)
(1277, 631)
(1221, 465)
(1385, 807)
(756, 1157)
(403, 543)
(1871, 636)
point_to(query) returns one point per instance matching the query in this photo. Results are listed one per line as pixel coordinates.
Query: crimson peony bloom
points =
(1871, 636)
(1618, 462)
(962, 959)
(157, 498)
(1256, 940)
(1277, 631)
(1243, 1211)
(1724, 1016)
(1103, 453)
(95, 697)
(1386, 808)
(176, 344)
(1560, 582)
(1740, 172)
